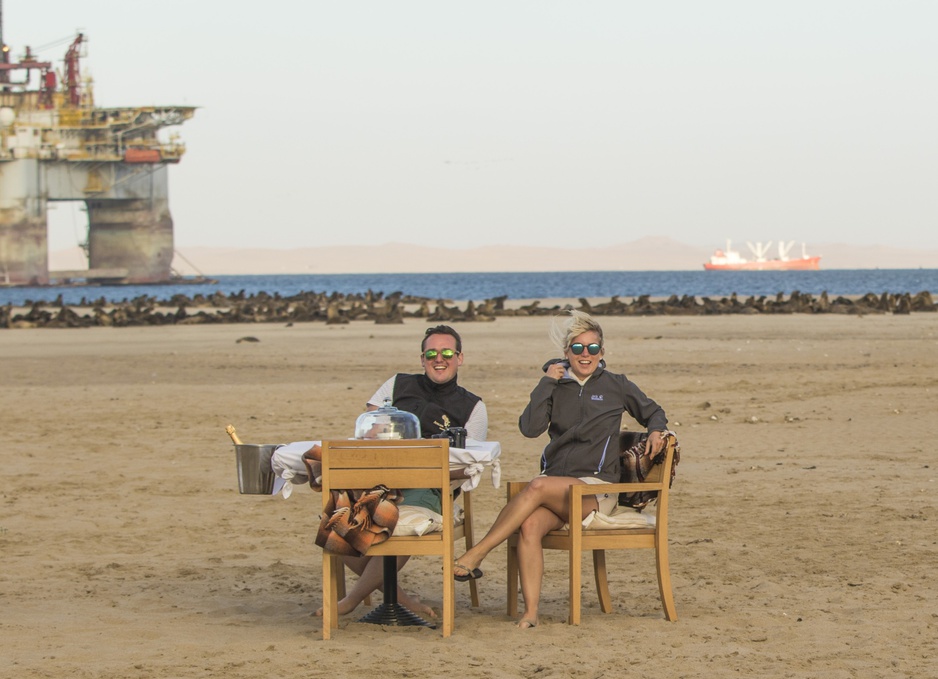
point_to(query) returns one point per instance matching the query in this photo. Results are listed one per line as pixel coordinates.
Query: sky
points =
(520, 122)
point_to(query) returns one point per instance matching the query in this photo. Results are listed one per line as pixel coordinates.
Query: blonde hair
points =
(562, 333)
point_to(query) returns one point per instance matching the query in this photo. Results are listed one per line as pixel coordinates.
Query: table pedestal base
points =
(390, 612)
(395, 614)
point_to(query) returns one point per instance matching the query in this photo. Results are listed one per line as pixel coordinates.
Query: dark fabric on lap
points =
(634, 466)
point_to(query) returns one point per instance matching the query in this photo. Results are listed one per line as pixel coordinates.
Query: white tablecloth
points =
(474, 458)
(287, 464)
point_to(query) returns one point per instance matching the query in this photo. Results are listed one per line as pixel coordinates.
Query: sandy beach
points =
(803, 522)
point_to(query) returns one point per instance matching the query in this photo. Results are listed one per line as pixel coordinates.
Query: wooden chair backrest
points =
(357, 464)
(408, 463)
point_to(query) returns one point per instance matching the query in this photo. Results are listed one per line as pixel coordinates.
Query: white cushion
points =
(621, 517)
(420, 520)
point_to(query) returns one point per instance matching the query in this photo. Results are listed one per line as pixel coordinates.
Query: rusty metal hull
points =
(136, 235)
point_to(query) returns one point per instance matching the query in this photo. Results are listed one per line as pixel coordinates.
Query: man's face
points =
(438, 368)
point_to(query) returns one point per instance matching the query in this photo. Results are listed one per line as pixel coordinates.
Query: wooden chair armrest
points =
(515, 487)
(578, 490)
(584, 489)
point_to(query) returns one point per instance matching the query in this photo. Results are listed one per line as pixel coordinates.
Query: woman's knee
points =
(536, 526)
(528, 528)
(538, 486)
(531, 534)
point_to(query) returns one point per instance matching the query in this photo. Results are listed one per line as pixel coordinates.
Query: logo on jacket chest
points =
(446, 424)
(596, 397)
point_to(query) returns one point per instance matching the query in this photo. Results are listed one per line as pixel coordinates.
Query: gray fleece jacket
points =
(584, 422)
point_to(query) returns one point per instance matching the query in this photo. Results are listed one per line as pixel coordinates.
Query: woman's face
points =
(584, 364)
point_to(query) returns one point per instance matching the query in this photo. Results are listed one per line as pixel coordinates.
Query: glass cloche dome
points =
(387, 422)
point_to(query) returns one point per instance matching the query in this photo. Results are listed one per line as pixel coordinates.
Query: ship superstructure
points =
(730, 259)
(55, 145)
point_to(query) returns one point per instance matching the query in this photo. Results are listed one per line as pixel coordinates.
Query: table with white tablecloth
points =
(477, 457)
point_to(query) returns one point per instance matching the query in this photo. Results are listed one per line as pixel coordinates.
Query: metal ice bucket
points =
(255, 477)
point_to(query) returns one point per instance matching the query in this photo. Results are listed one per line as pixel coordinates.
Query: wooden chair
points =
(363, 464)
(577, 539)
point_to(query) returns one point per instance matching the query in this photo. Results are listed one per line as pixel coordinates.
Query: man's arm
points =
(385, 391)
(478, 425)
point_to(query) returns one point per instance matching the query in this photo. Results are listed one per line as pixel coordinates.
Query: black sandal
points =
(471, 574)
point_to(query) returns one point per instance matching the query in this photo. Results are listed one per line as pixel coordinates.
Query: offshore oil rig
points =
(55, 145)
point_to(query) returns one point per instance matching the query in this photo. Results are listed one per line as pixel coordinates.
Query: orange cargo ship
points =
(731, 260)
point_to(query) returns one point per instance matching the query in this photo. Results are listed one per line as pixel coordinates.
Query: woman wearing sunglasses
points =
(579, 404)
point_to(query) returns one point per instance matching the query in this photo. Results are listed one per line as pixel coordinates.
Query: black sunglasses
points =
(577, 348)
(447, 354)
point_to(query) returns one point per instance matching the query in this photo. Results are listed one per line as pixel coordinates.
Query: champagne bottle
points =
(233, 434)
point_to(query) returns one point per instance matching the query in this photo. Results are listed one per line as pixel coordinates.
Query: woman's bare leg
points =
(549, 492)
(531, 560)
(531, 556)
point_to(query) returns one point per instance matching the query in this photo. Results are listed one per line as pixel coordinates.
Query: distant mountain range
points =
(645, 254)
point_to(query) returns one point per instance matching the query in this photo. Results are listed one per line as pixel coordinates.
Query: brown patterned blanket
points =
(634, 466)
(354, 520)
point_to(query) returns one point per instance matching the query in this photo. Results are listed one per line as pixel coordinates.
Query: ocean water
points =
(528, 285)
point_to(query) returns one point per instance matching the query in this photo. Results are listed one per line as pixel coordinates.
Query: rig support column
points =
(136, 235)
(24, 256)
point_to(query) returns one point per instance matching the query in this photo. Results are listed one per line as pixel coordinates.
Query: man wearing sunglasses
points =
(434, 396)
(439, 403)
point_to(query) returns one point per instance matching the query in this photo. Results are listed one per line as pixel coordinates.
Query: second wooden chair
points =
(576, 539)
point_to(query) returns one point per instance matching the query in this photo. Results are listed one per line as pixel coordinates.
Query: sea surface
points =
(527, 285)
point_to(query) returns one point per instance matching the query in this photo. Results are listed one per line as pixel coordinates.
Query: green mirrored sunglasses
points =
(447, 354)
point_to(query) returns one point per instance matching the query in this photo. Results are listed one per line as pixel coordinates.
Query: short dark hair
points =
(442, 330)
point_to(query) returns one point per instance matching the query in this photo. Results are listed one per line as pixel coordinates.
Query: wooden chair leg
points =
(576, 570)
(452, 608)
(467, 531)
(449, 593)
(602, 582)
(331, 566)
(664, 581)
(512, 598)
